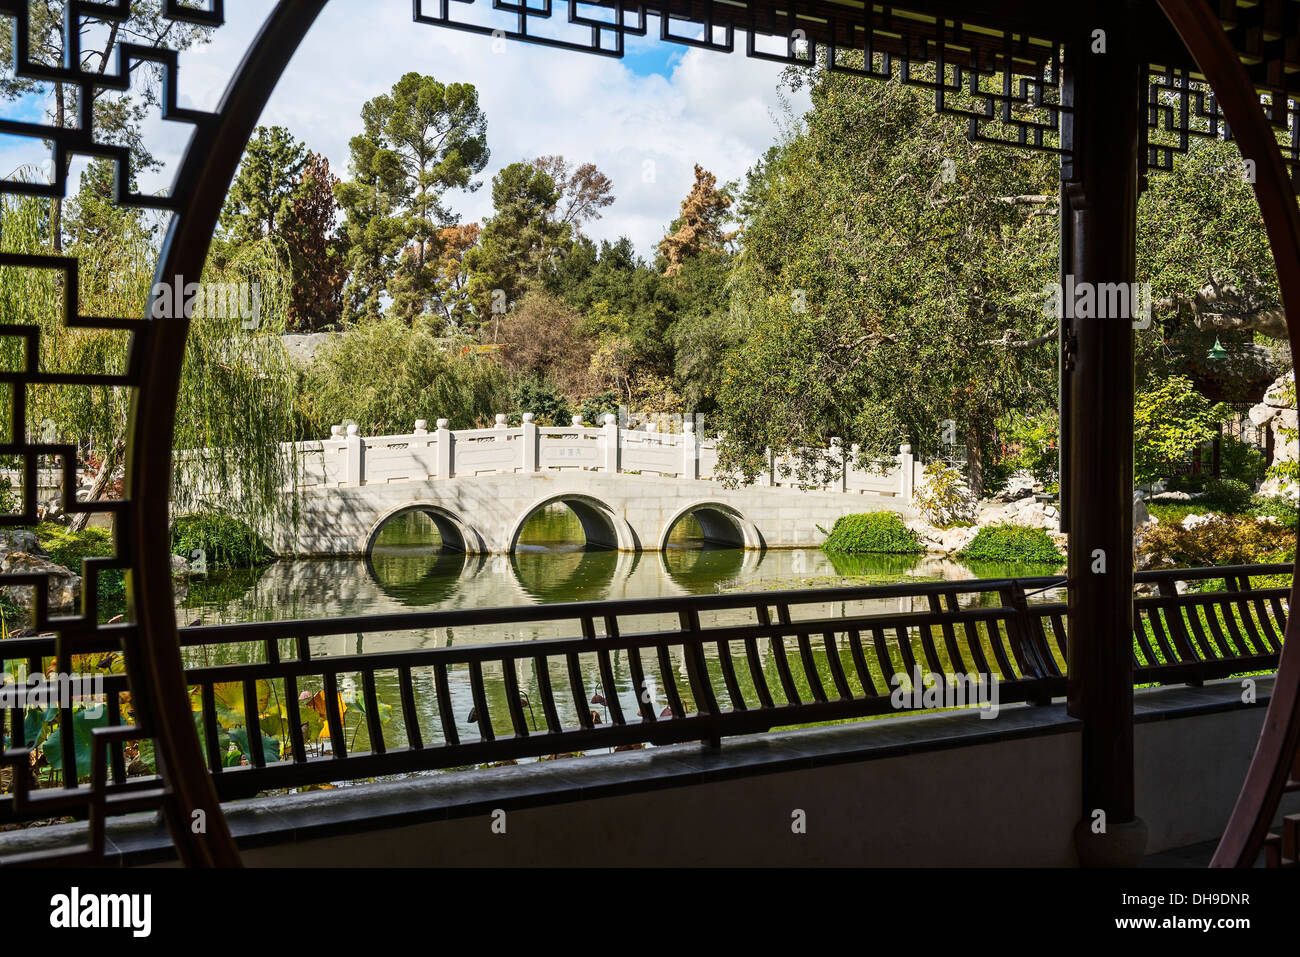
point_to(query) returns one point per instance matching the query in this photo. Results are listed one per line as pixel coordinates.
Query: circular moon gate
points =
(151, 642)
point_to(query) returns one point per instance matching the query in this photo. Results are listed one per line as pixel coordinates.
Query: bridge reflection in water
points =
(410, 569)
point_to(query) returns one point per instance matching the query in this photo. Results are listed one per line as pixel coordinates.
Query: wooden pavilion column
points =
(1103, 81)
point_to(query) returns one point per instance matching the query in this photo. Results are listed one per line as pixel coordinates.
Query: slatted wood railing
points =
(417, 692)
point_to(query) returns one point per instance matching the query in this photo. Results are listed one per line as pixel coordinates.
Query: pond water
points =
(409, 571)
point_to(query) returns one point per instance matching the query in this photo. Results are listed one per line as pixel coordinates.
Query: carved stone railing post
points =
(443, 450)
(421, 446)
(906, 473)
(612, 438)
(529, 440)
(690, 452)
(356, 457)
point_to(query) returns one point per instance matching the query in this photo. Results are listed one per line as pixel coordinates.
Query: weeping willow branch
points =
(237, 400)
(237, 396)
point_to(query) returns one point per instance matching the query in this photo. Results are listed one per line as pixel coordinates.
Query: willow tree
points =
(236, 397)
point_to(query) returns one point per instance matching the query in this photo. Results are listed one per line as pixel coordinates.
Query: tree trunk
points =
(974, 461)
(56, 206)
(102, 479)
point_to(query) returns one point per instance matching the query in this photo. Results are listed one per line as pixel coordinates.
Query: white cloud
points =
(715, 109)
(718, 110)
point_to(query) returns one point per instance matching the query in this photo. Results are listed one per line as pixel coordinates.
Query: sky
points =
(644, 120)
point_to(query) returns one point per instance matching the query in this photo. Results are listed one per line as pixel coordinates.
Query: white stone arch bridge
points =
(627, 488)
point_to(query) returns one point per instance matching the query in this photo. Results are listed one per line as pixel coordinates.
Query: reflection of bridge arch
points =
(721, 525)
(422, 580)
(602, 527)
(572, 576)
(701, 569)
(457, 535)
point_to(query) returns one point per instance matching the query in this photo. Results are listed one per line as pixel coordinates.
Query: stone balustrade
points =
(347, 459)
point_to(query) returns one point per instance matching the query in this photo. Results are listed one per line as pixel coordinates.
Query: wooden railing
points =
(662, 671)
(361, 697)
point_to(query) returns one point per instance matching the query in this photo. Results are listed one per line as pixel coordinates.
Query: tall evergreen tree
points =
(418, 142)
(317, 249)
(699, 227)
(520, 242)
(265, 186)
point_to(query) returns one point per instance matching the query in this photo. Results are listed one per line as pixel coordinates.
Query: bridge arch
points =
(723, 526)
(457, 535)
(603, 527)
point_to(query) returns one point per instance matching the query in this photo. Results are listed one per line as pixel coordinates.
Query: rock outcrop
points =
(64, 585)
(1278, 413)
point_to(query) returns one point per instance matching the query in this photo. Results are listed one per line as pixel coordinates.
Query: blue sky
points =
(644, 120)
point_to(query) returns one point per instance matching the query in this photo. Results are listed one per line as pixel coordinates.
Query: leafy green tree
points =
(520, 241)
(548, 404)
(890, 283)
(236, 395)
(117, 115)
(1200, 228)
(93, 217)
(419, 141)
(384, 374)
(1169, 420)
(629, 310)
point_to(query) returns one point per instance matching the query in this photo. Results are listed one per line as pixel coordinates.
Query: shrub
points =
(1219, 540)
(1242, 461)
(1171, 513)
(1034, 439)
(1226, 495)
(1016, 544)
(943, 497)
(1168, 422)
(1187, 482)
(872, 532)
(540, 397)
(67, 548)
(384, 374)
(225, 542)
(1282, 510)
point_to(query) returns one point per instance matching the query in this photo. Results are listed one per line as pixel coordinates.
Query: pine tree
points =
(699, 228)
(419, 141)
(266, 185)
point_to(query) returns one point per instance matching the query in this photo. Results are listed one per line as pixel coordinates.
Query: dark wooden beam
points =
(1106, 88)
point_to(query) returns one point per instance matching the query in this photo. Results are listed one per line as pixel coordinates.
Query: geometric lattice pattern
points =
(77, 643)
(1001, 78)
(1002, 82)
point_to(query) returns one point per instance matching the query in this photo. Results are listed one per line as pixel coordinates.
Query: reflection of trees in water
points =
(219, 588)
(553, 527)
(411, 565)
(873, 565)
(417, 580)
(701, 568)
(548, 576)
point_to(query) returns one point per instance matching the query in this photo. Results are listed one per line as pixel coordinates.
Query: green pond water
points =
(409, 571)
